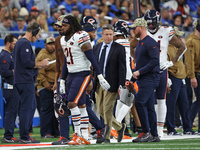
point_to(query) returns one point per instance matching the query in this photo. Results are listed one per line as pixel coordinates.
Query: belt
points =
(7, 86)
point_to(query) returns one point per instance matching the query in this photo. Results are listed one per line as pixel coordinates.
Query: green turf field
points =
(179, 144)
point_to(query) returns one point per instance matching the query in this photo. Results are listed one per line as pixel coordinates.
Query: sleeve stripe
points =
(125, 44)
(84, 41)
(81, 39)
(171, 32)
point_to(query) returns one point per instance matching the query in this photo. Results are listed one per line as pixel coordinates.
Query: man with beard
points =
(79, 56)
(147, 76)
(45, 81)
(64, 121)
(9, 91)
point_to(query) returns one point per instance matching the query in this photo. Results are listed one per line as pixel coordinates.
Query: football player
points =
(121, 33)
(79, 56)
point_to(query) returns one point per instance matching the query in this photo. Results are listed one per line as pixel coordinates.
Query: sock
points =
(76, 117)
(122, 111)
(161, 112)
(118, 107)
(84, 123)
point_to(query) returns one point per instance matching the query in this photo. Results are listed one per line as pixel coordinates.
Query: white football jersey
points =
(163, 36)
(75, 57)
(126, 44)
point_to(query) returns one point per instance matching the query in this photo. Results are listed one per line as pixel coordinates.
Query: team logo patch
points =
(142, 44)
(4, 61)
(51, 39)
(65, 20)
(160, 37)
(59, 19)
(27, 50)
(71, 43)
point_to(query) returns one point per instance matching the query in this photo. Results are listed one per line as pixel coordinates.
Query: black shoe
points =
(156, 139)
(174, 133)
(106, 141)
(101, 134)
(190, 132)
(47, 136)
(143, 137)
(121, 133)
(12, 140)
(30, 140)
(61, 141)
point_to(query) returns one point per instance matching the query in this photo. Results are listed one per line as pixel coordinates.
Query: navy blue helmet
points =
(153, 20)
(61, 105)
(89, 23)
(121, 28)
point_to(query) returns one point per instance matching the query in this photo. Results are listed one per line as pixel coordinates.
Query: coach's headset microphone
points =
(35, 32)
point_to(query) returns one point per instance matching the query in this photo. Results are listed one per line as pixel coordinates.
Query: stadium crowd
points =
(105, 94)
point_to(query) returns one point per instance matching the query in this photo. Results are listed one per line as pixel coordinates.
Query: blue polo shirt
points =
(24, 62)
(147, 59)
(6, 66)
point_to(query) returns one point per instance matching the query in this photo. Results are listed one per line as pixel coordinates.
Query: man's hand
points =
(166, 65)
(194, 82)
(43, 64)
(104, 84)
(55, 86)
(136, 74)
(62, 86)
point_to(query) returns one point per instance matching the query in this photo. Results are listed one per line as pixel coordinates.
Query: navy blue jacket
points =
(24, 62)
(147, 59)
(6, 66)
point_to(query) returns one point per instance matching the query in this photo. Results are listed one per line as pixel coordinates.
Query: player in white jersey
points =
(78, 52)
(164, 36)
(121, 32)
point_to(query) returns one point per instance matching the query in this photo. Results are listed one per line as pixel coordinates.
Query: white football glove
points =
(166, 65)
(169, 82)
(62, 86)
(104, 84)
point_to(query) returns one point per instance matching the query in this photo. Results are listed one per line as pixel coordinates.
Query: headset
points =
(35, 31)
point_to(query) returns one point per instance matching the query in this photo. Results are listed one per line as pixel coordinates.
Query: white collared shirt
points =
(106, 56)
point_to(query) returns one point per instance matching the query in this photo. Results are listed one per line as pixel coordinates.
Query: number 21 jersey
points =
(75, 57)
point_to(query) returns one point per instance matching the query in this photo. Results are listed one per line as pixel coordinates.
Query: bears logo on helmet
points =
(60, 105)
(121, 28)
(153, 20)
(88, 19)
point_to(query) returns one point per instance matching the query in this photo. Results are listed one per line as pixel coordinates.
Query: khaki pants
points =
(105, 101)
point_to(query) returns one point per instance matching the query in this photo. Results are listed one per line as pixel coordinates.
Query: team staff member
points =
(192, 65)
(112, 61)
(147, 76)
(9, 91)
(24, 79)
(45, 81)
(178, 93)
(63, 121)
